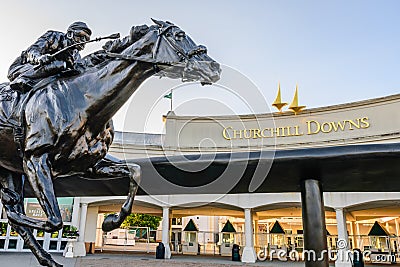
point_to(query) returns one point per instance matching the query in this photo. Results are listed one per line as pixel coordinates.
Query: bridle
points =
(163, 35)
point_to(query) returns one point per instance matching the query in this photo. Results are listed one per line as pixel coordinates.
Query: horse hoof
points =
(109, 223)
(50, 263)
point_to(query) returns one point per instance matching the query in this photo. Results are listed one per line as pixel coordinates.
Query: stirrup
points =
(21, 85)
(19, 140)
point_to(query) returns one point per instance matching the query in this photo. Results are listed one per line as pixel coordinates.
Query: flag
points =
(169, 96)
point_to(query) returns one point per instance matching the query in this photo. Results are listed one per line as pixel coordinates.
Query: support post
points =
(249, 254)
(256, 234)
(396, 223)
(79, 248)
(313, 213)
(165, 232)
(268, 235)
(343, 259)
(352, 240)
(76, 211)
(358, 235)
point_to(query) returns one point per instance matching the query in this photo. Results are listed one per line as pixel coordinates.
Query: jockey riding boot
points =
(21, 84)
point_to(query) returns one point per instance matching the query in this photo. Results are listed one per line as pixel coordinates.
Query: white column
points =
(358, 235)
(76, 211)
(396, 223)
(268, 241)
(82, 223)
(249, 254)
(343, 240)
(165, 232)
(352, 234)
(80, 249)
(256, 237)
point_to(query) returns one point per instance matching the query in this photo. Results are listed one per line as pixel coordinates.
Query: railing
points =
(10, 240)
(209, 243)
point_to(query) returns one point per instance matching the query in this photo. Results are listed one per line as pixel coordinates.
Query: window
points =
(176, 221)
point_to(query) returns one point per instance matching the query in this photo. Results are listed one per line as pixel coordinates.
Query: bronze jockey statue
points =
(37, 62)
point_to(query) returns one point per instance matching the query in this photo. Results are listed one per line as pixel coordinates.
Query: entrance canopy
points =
(353, 168)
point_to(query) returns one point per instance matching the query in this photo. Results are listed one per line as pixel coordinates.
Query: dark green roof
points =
(378, 230)
(276, 229)
(228, 228)
(191, 227)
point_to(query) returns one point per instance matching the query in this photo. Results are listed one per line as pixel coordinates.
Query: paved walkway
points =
(135, 260)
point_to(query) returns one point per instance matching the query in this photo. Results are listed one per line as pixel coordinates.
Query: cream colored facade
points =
(365, 122)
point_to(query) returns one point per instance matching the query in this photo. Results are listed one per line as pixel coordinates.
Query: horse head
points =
(184, 59)
(174, 54)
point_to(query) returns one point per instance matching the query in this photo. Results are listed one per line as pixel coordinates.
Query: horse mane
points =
(116, 46)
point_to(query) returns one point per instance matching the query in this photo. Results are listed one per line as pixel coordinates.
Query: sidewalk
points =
(138, 260)
(133, 259)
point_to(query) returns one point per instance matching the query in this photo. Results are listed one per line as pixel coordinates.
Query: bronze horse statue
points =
(68, 129)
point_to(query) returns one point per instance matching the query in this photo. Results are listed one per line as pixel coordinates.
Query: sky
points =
(336, 51)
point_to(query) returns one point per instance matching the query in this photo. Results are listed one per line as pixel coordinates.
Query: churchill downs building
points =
(263, 163)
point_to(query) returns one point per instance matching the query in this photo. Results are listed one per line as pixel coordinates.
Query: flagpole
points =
(171, 100)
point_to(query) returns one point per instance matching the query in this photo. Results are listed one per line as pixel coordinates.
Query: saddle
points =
(13, 105)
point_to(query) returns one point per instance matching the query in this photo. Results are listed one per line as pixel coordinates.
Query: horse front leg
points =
(41, 255)
(38, 172)
(109, 168)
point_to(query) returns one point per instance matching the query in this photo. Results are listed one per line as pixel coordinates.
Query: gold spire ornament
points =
(294, 106)
(278, 100)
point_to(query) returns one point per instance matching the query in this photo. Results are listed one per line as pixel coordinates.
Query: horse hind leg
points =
(113, 221)
(109, 168)
(11, 191)
(10, 198)
(13, 203)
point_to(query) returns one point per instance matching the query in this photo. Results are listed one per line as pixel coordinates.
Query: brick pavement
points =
(148, 260)
(137, 260)
(87, 262)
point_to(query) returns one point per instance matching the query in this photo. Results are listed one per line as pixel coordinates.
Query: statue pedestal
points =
(74, 249)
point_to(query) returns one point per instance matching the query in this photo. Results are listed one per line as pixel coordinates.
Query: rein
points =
(129, 57)
(153, 60)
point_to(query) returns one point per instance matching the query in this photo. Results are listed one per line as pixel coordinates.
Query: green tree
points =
(141, 220)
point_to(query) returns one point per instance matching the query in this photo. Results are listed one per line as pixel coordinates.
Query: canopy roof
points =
(352, 168)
